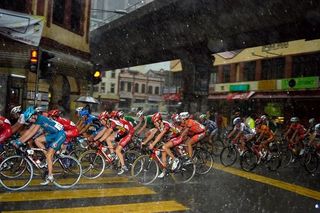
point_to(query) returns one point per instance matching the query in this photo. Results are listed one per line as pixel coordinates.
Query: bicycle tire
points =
(185, 167)
(286, 158)
(228, 156)
(217, 147)
(274, 163)
(311, 163)
(92, 163)
(67, 171)
(13, 182)
(203, 160)
(145, 170)
(130, 156)
(248, 161)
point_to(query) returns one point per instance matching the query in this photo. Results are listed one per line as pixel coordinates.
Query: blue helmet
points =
(29, 112)
(84, 112)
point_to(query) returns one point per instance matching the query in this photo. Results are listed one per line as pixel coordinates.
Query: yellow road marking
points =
(81, 193)
(269, 181)
(148, 207)
(100, 180)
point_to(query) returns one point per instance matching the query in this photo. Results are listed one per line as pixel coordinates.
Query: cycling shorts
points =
(125, 140)
(55, 140)
(198, 137)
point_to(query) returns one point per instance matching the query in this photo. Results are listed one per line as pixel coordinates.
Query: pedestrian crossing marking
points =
(70, 194)
(269, 181)
(147, 207)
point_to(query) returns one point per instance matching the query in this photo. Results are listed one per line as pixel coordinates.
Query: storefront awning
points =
(308, 94)
(232, 96)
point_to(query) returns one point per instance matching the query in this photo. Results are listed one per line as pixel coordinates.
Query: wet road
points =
(222, 190)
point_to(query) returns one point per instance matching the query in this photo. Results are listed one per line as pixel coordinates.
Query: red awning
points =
(172, 97)
(232, 96)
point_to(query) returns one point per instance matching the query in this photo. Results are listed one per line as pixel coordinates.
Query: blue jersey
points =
(48, 125)
(210, 125)
(90, 119)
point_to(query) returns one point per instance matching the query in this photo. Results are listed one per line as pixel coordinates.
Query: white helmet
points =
(237, 120)
(140, 113)
(312, 120)
(16, 110)
(184, 115)
(78, 109)
(317, 127)
(294, 119)
(40, 109)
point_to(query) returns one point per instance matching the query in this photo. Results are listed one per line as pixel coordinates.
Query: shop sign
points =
(239, 87)
(267, 85)
(300, 83)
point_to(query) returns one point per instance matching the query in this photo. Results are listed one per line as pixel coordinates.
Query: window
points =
(249, 71)
(273, 68)
(16, 5)
(143, 88)
(129, 87)
(226, 70)
(69, 14)
(96, 88)
(213, 75)
(121, 85)
(156, 90)
(103, 87)
(136, 88)
(306, 65)
(112, 88)
(113, 74)
(150, 89)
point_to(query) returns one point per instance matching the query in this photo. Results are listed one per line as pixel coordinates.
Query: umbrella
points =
(88, 100)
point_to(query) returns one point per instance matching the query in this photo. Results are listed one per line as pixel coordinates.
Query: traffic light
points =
(95, 76)
(46, 64)
(34, 56)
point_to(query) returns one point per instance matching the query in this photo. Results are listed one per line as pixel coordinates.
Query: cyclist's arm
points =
(143, 127)
(100, 133)
(106, 134)
(29, 133)
(84, 129)
(158, 138)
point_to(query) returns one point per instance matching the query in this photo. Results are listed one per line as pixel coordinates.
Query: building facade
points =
(66, 35)
(280, 79)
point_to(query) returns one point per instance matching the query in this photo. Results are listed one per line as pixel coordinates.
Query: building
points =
(280, 79)
(66, 35)
(139, 90)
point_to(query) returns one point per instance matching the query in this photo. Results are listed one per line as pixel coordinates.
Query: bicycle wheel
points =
(66, 171)
(274, 162)
(286, 158)
(228, 156)
(93, 164)
(185, 172)
(248, 161)
(203, 160)
(130, 156)
(311, 162)
(217, 147)
(145, 169)
(16, 172)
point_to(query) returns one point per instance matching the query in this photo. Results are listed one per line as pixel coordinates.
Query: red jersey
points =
(122, 126)
(194, 127)
(5, 129)
(67, 124)
(299, 128)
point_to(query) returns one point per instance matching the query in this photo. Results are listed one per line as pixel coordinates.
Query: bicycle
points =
(16, 172)
(145, 168)
(94, 161)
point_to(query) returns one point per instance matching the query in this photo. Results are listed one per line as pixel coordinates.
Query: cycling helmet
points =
(114, 114)
(317, 127)
(29, 112)
(40, 109)
(203, 116)
(78, 109)
(156, 117)
(258, 121)
(54, 113)
(84, 112)
(263, 117)
(120, 114)
(294, 119)
(16, 110)
(312, 120)
(184, 115)
(104, 115)
(140, 113)
(176, 118)
(237, 120)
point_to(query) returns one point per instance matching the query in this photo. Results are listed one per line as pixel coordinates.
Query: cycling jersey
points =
(90, 119)
(125, 131)
(55, 132)
(150, 124)
(70, 128)
(194, 127)
(5, 129)
(243, 128)
(131, 120)
(299, 128)
(266, 131)
(210, 125)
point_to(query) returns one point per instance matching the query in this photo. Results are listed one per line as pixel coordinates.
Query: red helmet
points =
(104, 115)
(156, 117)
(114, 114)
(54, 113)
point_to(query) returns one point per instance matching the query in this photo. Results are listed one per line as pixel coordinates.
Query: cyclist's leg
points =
(193, 140)
(54, 141)
(109, 140)
(122, 143)
(150, 134)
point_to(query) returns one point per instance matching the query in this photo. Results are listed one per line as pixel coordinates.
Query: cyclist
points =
(124, 133)
(297, 132)
(193, 129)
(90, 123)
(121, 115)
(16, 114)
(264, 136)
(54, 137)
(211, 126)
(147, 124)
(68, 126)
(171, 133)
(315, 137)
(5, 131)
(242, 133)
